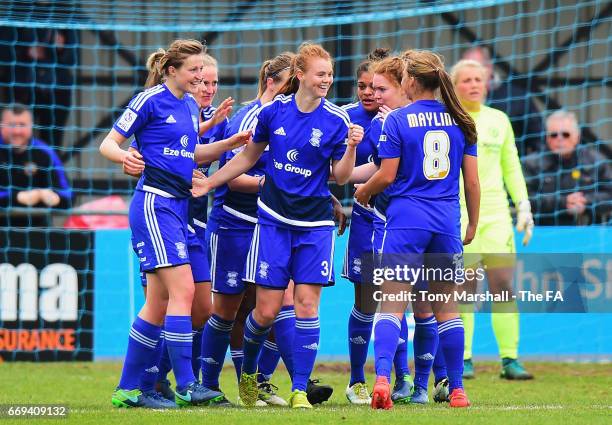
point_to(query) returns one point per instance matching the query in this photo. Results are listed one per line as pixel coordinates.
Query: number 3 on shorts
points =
(325, 266)
(436, 163)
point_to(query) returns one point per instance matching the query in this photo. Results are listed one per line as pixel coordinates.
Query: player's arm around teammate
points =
(423, 213)
(294, 235)
(230, 231)
(158, 218)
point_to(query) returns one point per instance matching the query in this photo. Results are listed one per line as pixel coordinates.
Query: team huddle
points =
(266, 249)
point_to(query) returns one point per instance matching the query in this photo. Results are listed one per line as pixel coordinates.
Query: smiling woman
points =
(164, 122)
(294, 234)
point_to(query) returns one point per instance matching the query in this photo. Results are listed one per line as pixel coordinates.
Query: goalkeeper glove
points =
(524, 220)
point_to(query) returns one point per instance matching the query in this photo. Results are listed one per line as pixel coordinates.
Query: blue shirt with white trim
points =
(166, 132)
(233, 209)
(431, 147)
(358, 115)
(302, 146)
(198, 207)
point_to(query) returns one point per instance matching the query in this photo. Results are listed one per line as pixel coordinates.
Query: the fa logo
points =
(181, 250)
(232, 279)
(315, 137)
(196, 125)
(263, 269)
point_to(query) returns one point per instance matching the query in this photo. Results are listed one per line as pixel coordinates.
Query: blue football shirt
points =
(198, 207)
(430, 145)
(234, 209)
(166, 132)
(302, 147)
(358, 115)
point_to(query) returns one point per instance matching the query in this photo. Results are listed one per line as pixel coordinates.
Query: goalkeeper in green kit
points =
(500, 174)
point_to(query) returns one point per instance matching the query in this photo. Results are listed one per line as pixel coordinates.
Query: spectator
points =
(31, 174)
(514, 100)
(39, 70)
(568, 183)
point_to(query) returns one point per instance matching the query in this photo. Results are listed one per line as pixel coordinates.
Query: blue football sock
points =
(425, 347)
(254, 337)
(164, 365)
(386, 334)
(268, 360)
(439, 365)
(452, 338)
(237, 357)
(142, 344)
(215, 340)
(400, 360)
(359, 333)
(179, 339)
(305, 348)
(149, 376)
(196, 352)
(284, 331)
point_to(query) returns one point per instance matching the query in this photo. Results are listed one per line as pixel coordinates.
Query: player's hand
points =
(238, 140)
(339, 215)
(524, 220)
(200, 184)
(133, 164)
(384, 110)
(29, 197)
(223, 111)
(469, 234)
(49, 197)
(355, 135)
(362, 195)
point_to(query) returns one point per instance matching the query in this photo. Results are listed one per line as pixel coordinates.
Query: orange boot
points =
(458, 398)
(381, 395)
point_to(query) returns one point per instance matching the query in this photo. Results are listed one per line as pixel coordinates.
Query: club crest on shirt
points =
(315, 137)
(195, 123)
(181, 250)
(263, 269)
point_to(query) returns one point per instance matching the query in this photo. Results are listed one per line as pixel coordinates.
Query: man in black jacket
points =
(31, 174)
(568, 183)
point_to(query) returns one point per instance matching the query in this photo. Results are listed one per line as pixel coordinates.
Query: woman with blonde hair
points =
(164, 121)
(493, 245)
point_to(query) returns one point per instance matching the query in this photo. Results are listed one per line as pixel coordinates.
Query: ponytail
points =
(261, 86)
(459, 114)
(272, 68)
(155, 76)
(428, 70)
(159, 61)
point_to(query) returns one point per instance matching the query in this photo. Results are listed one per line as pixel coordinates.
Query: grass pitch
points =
(561, 394)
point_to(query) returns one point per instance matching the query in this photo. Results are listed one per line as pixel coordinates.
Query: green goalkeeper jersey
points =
(499, 167)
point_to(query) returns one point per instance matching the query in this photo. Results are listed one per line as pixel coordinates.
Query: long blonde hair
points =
(159, 61)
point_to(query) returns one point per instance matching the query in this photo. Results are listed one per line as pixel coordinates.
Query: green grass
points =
(561, 394)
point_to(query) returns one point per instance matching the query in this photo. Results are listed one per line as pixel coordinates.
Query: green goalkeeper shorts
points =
(493, 244)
